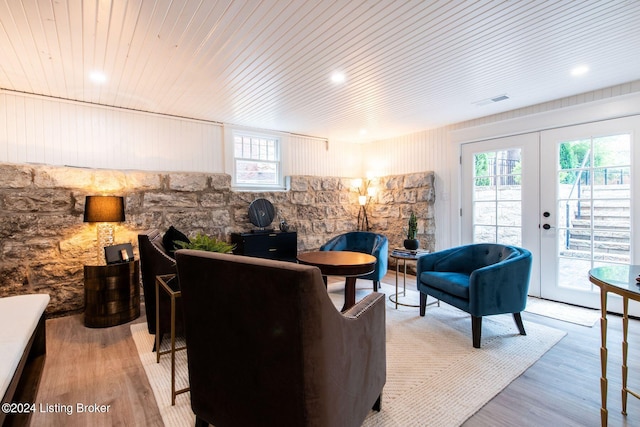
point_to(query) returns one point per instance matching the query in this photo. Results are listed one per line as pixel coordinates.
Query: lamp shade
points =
(104, 209)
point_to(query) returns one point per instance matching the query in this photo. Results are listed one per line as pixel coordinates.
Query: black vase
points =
(411, 244)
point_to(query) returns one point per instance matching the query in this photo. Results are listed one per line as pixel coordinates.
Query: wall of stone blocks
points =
(44, 242)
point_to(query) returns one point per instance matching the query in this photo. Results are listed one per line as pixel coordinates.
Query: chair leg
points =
(476, 330)
(423, 303)
(378, 405)
(376, 285)
(155, 343)
(518, 318)
(200, 422)
(159, 343)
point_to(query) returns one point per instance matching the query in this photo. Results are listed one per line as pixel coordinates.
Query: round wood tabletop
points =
(339, 263)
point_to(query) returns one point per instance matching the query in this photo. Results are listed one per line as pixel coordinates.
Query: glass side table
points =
(404, 257)
(169, 284)
(622, 280)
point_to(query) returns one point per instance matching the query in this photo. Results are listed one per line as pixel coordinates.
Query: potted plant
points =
(202, 242)
(411, 242)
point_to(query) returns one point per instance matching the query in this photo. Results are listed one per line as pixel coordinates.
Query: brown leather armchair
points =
(155, 261)
(267, 347)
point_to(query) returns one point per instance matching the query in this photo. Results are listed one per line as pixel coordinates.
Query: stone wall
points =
(44, 243)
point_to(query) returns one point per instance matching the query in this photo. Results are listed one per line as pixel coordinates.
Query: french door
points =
(500, 201)
(588, 207)
(566, 195)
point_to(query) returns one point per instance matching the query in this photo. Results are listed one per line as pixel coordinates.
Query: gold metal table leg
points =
(404, 279)
(173, 350)
(158, 337)
(173, 295)
(174, 392)
(625, 346)
(604, 416)
(397, 267)
(396, 297)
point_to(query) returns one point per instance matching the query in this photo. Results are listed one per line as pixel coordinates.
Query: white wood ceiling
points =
(409, 65)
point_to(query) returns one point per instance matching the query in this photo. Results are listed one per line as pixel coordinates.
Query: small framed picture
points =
(118, 253)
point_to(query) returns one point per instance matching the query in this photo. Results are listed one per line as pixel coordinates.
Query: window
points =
(256, 161)
(497, 197)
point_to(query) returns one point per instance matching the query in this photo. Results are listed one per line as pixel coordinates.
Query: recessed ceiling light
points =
(580, 70)
(98, 77)
(338, 77)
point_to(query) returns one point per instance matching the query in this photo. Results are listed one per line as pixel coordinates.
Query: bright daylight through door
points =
(500, 195)
(594, 205)
(497, 197)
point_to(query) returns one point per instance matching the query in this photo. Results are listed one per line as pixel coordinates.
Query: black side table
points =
(111, 294)
(280, 245)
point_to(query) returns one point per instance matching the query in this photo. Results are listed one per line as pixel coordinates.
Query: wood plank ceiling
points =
(408, 65)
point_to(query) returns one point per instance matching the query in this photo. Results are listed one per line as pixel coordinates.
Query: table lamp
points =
(104, 210)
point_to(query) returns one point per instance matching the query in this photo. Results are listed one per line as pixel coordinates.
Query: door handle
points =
(547, 226)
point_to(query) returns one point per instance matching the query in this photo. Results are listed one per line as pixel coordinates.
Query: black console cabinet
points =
(278, 245)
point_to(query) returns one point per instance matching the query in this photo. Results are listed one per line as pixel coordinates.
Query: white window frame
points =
(232, 160)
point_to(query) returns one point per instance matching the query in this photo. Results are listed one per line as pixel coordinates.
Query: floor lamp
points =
(363, 220)
(365, 193)
(104, 210)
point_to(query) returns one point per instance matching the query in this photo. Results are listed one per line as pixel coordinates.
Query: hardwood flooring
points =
(101, 367)
(563, 387)
(87, 366)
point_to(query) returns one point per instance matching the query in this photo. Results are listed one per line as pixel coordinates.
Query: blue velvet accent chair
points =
(365, 242)
(482, 279)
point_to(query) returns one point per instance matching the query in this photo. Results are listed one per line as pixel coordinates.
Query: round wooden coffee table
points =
(341, 263)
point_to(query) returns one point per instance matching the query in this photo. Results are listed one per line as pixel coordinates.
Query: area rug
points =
(565, 312)
(434, 375)
(542, 307)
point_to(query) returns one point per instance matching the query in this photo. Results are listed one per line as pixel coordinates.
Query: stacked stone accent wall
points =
(44, 242)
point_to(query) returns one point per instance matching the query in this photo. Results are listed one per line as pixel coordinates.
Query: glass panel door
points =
(587, 208)
(594, 206)
(497, 197)
(500, 195)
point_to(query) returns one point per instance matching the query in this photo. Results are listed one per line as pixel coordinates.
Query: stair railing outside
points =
(573, 187)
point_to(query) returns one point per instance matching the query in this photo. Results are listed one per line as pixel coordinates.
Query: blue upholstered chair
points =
(365, 242)
(481, 279)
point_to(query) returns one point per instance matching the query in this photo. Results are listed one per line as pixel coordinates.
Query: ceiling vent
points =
(491, 100)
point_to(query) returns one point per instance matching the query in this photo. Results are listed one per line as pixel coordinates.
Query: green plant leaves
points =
(202, 242)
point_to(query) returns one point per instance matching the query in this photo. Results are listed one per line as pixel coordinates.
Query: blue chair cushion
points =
(452, 283)
(474, 257)
(365, 242)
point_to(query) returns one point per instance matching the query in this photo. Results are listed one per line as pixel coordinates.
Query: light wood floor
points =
(101, 366)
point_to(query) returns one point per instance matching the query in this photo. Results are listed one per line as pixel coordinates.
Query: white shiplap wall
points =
(36, 129)
(420, 152)
(45, 130)
(316, 157)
